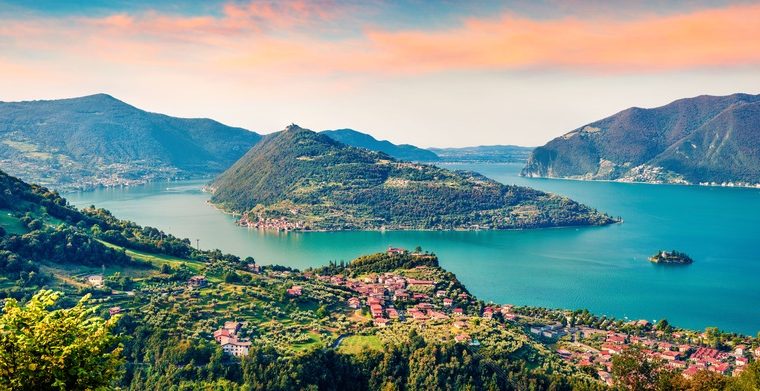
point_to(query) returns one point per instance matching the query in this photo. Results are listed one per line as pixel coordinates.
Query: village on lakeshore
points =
(425, 297)
(270, 224)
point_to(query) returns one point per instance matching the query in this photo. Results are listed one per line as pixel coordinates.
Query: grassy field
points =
(158, 259)
(11, 224)
(356, 343)
(314, 342)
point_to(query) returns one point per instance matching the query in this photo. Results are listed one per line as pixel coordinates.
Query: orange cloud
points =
(717, 37)
(286, 38)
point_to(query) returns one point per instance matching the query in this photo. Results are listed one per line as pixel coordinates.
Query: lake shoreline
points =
(603, 269)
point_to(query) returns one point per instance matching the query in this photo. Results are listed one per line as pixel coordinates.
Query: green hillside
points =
(318, 183)
(100, 140)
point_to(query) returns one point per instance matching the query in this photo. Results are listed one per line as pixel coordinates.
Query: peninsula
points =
(299, 179)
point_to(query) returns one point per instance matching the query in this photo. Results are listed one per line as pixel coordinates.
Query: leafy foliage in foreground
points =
(62, 349)
(416, 365)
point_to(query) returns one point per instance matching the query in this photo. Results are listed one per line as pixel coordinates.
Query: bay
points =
(603, 269)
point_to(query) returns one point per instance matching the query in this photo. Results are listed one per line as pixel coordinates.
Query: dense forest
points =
(309, 178)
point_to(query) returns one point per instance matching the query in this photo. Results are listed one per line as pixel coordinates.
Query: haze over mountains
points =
(318, 183)
(98, 139)
(706, 139)
(485, 154)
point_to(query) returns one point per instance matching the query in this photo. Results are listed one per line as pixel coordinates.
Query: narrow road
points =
(339, 340)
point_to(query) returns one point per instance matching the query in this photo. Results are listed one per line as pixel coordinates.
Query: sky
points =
(433, 74)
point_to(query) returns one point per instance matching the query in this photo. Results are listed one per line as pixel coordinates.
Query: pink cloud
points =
(286, 38)
(707, 38)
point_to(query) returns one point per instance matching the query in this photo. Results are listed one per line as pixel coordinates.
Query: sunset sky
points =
(448, 73)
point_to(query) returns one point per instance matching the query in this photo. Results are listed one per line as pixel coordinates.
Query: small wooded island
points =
(671, 257)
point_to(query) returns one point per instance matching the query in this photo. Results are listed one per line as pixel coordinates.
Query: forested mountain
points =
(362, 140)
(319, 183)
(706, 139)
(484, 154)
(97, 139)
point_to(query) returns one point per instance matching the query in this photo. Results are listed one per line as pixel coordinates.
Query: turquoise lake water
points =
(604, 269)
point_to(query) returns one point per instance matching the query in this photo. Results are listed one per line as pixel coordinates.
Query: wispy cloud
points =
(705, 38)
(298, 37)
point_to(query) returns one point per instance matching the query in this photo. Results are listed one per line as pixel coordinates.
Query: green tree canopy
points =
(61, 349)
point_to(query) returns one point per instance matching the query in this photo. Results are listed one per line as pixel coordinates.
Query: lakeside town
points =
(270, 224)
(425, 296)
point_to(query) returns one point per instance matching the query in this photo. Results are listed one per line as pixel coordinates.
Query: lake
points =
(603, 269)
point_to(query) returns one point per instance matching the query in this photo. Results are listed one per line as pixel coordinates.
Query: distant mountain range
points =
(308, 179)
(484, 154)
(706, 139)
(362, 140)
(100, 140)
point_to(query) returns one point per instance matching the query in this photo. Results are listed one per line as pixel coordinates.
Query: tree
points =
(705, 380)
(62, 349)
(632, 371)
(663, 325)
(321, 312)
(713, 336)
(748, 380)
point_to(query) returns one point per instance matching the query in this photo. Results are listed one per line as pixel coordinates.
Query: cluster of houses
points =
(687, 358)
(295, 291)
(270, 224)
(381, 293)
(227, 337)
(95, 280)
(553, 331)
(198, 281)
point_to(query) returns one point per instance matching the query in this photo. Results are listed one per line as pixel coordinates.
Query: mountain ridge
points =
(363, 140)
(674, 143)
(100, 140)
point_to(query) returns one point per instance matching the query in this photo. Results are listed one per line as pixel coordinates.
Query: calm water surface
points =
(604, 269)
